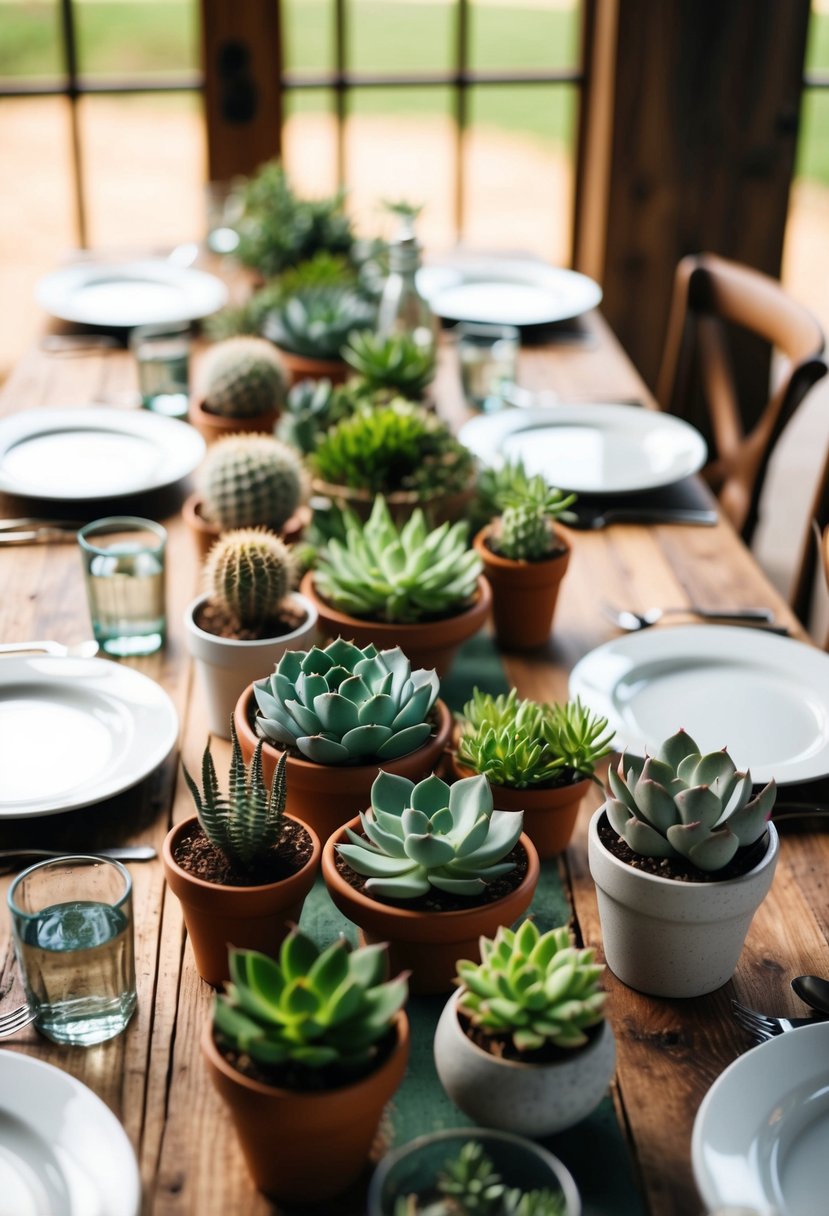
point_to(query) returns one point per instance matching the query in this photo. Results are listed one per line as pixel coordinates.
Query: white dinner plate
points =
(62, 1151)
(105, 726)
(118, 295)
(764, 697)
(761, 1134)
(86, 454)
(507, 291)
(590, 447)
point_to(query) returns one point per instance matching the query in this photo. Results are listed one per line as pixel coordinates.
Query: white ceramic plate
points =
(62, 1151)
(762, 1132)
(120, 295)
(106, 727)
(764, 697)
(507, 291)
(592, 448)
(86, 454)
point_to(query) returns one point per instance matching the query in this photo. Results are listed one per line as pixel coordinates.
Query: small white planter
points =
(529, 1099)
(226, 666)
(669, 938)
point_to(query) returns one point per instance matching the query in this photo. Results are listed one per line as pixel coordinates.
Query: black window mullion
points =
(340, 85)
(461, 110)
(70, 54)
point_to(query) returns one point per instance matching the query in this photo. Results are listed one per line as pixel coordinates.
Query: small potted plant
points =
(311, 408)
(525, 558)
(682, 856)
(398, 364)
(240, 867)
(429, 869)
(523, 1044)
(311, 327)
(306, 1051)
(246, 619)
(242, 388)
(419, 589)
(341, 713)
(538, 758)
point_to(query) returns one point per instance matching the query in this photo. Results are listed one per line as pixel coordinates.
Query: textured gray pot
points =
(529, 1099)
(669, 938)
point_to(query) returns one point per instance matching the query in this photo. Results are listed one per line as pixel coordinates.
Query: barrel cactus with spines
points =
(250, 480)
(242, 377)
(249, 572)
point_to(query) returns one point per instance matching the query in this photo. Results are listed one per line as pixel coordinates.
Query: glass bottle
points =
(403, 309)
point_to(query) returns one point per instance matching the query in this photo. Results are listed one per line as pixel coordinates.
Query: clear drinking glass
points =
(73, 937)
(162, 353)
(488, 356)
(124, 566)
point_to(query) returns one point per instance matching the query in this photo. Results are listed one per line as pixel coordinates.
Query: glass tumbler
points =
(162, 353)
(488, 356)
(124, 566)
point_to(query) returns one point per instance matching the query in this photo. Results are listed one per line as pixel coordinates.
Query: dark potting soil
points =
(744, 859)
(502, 1047)
(215, 619)
(195, 854)
(301, 1078)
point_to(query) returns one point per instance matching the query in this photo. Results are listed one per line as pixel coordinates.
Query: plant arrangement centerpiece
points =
(410, 586)
(523, 1044)
(240, 867)
(525, 558)
(430, 868)
(312, 326)
(397, 365)
(306, 1050)
(242, 389)
(246, 618)
(311, 408)
(682, 855)
(539, 759)
(342, 713)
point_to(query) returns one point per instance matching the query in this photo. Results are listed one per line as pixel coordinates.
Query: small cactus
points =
(242, 377)
(525, 532)
(251, 480)
(249, 572)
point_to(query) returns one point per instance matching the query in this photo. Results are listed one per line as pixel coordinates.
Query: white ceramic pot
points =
(669, 938)
(529, 1099)
(226, 666)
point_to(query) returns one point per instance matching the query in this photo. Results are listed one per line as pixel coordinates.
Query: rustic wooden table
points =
(669, 1052)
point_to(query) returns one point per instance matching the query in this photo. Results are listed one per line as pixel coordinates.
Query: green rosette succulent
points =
(681, 804)
(469, 1185)
(396, 362)
(316, 321)
(346, 705)
(431, 835)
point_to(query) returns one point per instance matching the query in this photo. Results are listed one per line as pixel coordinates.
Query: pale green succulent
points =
(431, 835)
(469, 1185)
(316, 321)
(681, 804)
(525, 530)
(344, 705)
(396, 362)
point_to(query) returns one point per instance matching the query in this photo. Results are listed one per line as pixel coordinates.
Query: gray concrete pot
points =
(669, 938)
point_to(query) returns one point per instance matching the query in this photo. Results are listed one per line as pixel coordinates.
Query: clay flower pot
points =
(251, 918)
(669, 938)
(213, 426)
(524, 594)
(206, 532)
(428, 944)
(530, 1099)
(425, 643)
(306, 1147)
(303, 367)
(325, 796)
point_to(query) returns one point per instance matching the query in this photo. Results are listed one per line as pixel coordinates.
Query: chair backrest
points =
(814, 549)
(711, 294)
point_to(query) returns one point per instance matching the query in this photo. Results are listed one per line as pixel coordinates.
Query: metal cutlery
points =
(595, 517)
(15, 1020)
(813, 990)
(28, 530)
(9, 858)
(79, 650)
(633, 622)
(761, 1026)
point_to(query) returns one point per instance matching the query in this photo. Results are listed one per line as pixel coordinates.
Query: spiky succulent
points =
(249, 572)
(242, 377)
(525, 530)
(314, 1008)
(398, 574)
(344, 705)
(311, 407)
(317, 321)
(397, 362)
(469, 1185)
(247, 822)
(431, 835)
(536, 989)
(247, 480)
(681, 804)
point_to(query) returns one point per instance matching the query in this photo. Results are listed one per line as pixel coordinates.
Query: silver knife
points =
(129, 852)
(646, 515)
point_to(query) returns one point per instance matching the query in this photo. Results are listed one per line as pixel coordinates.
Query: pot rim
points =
(310, 621)
(466, 770)
(222, 422)
(510, 563)
(478, 608)
(177, 829)
(192, 510)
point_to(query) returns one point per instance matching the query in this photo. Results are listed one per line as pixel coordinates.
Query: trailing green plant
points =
(346, 705)
(247, 823)
(431, 835)
(249, 572)
(681, 804)
(524, 531)
(524, 743)
(316, 321)
(311, 408)
(310, 1008)
(247, 480)
(398, 574)
(535, 989)
(242, 377)
(397, 363)
(469, 1185)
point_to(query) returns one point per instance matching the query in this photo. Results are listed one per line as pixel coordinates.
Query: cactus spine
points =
(242, 377)
(251, 480)
(249, 572)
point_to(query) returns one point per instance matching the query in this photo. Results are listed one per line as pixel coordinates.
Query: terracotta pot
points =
(524, 594)
(325, 796)
(438, 509)
(428, 944)
(251, 918)
(304, 1148)
(206, 532)
(549, 814)
(213, 426)
(302, 367)
(426, 643)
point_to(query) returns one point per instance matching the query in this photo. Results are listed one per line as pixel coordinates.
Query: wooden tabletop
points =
(669, 1052)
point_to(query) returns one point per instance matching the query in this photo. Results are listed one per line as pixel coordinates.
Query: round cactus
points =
(242, 377)
(249, 572)
(251, 480)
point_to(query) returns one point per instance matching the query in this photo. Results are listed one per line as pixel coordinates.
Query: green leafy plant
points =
(247, 480)
(317, 321)
(321, 270)
(431, 835)
(681, 804)
(397, 363)
(342, 705)
(242, 377)
(311, 408)
(524, 531)
(398, 574)
(469, 1185)
(249, 572)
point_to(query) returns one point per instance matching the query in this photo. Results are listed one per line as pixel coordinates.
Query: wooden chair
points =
(814, 549)
(712, 297)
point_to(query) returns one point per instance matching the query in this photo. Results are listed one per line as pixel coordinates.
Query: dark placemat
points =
(689, 494)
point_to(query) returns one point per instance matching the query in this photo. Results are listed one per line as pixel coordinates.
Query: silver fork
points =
(761, 1026)
(15, 1020)
(631, 621)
